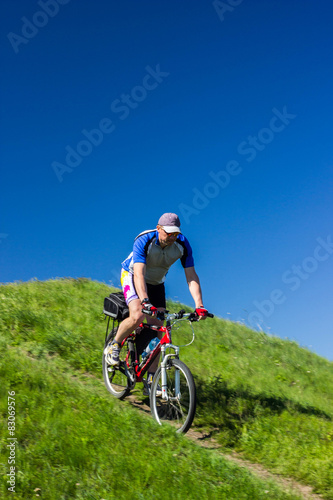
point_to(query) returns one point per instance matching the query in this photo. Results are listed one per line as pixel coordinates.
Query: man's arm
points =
(139, 280)
(194, 285)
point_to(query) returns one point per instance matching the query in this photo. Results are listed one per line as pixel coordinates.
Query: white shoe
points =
(112, 354)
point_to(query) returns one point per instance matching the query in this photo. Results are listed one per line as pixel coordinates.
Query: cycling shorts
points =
(156, 293)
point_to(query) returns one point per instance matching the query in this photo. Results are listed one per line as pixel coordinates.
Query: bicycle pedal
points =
(112, 368)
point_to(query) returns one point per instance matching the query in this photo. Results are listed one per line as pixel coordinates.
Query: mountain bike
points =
(173, 378)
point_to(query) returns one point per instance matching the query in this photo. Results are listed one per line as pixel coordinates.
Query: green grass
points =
(76, 442)
(264, 397)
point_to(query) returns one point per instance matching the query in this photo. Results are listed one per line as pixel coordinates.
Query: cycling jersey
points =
(158, 260)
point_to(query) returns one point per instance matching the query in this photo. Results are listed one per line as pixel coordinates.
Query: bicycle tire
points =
(177, 410)
(115, 378)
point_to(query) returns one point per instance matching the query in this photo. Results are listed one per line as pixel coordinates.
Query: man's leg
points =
(133, 321)
(125, 328)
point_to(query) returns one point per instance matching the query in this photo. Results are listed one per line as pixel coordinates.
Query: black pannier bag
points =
(115, 306)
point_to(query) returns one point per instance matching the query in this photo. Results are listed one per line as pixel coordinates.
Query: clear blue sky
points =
(115, 112)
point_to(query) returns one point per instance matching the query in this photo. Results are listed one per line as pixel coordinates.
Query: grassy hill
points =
(264, 397)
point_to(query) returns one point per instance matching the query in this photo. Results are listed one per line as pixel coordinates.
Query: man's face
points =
(166, 239)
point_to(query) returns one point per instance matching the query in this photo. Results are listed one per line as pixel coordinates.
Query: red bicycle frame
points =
(131, 359)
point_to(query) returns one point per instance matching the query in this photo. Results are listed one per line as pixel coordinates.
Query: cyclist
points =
(142, 279)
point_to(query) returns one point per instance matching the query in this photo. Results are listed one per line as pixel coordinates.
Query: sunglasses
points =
(171, 234)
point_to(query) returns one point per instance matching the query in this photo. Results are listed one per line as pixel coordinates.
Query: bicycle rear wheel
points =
(115, 378)
(179, 407)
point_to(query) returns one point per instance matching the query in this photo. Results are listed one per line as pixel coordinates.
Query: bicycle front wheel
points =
(115, 378)
(179, 407)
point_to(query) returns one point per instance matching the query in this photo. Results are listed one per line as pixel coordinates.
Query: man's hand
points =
(148, 308)
(201, 312)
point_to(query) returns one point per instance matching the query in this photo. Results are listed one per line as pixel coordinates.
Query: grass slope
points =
(264, 397)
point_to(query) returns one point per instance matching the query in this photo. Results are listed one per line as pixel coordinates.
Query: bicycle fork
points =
(164, 362)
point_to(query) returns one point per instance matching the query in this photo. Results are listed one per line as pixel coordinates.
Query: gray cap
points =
(170, 223)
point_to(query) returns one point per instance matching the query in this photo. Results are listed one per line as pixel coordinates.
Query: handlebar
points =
(182, 314)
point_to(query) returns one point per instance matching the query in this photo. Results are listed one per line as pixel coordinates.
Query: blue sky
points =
(116, 112)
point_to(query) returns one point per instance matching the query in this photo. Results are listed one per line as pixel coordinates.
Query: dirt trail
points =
(205, 440)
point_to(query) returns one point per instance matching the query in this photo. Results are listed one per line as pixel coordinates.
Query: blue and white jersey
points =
(158, 260)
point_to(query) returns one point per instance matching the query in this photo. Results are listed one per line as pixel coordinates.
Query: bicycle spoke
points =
(178, 410)
(115, 378)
